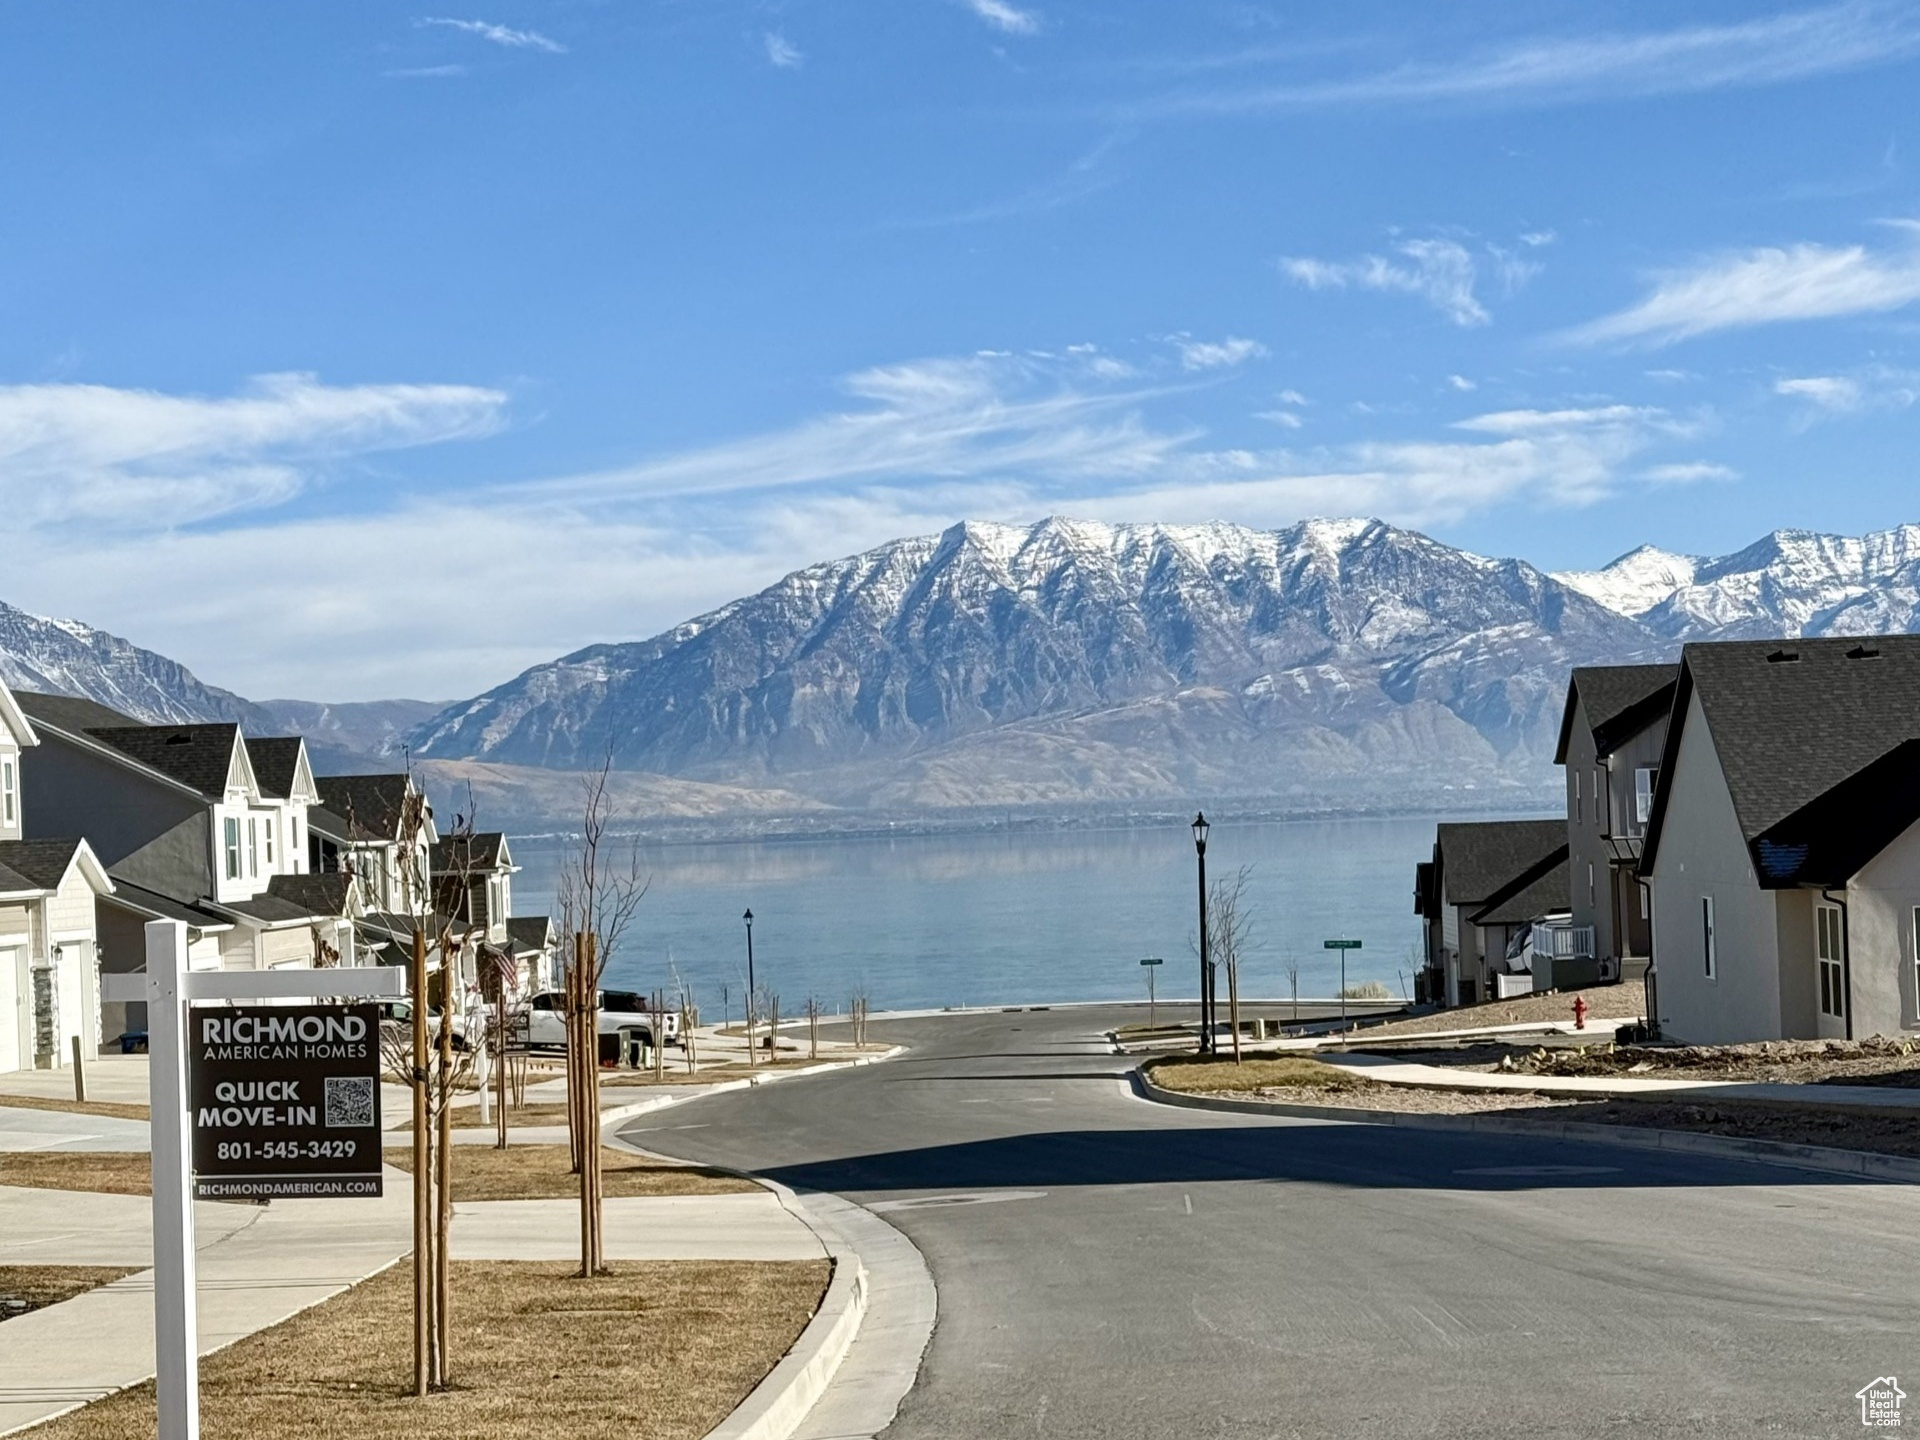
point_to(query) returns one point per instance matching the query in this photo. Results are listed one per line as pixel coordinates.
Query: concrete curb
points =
(1898, 1169)
(779, 1403)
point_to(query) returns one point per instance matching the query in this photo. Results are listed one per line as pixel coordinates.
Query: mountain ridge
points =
(1332, 663)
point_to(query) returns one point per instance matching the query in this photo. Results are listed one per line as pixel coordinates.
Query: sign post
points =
(1342, 946)
(169, 988)
(1150, 962)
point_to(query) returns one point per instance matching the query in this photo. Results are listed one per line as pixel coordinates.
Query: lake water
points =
(933, 920)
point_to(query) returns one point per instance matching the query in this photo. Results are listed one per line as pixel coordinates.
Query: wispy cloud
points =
(499, 34)
(1875, 387)
(138, 459)
(425, 72)
(1773, 49)
(1215, 354)
(986, 414)
(1765, 286)
(1688, 472)
(782, 53)
(1441, 272)
(1005, 17)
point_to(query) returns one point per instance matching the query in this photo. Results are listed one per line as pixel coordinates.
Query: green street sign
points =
(1153, 960)
(1340, 945)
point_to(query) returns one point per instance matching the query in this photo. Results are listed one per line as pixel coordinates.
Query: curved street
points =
(1110, 1267)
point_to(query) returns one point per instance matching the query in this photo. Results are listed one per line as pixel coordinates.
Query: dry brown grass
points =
(107, 1108)
(1608, 1005)
(663, 1350)
(105, 1172)
(1190, 1074)
(540, 1172)
(467, 1117)
(42, 1285)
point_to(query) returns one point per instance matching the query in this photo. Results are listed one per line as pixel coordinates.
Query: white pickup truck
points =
(620, 1010)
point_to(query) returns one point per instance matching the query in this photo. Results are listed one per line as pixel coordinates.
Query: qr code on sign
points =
(349, 1100)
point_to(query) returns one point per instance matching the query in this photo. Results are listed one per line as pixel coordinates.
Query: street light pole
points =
(1200, 828)
(748, 917)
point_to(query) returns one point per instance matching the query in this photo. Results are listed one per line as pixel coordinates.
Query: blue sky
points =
(354, 349)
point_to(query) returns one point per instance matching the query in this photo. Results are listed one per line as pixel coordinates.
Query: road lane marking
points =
(1541, 1170)
(984, 1197)
(1187, 1200)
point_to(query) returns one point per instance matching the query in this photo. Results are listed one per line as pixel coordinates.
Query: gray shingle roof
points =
(276, 761)
(1788, 731)
(41, 863)
(165, 907)
(375, 805)
(475, 853)
(1478, 859)
(1540, 891)
(1620, 701)
(199, 756)
(70, 712)
(529, 932)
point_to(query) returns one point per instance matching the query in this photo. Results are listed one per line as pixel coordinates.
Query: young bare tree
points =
(1230, 927)
(598, 894)
(1293, 982)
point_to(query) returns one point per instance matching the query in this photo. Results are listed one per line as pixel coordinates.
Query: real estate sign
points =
(284, 1100)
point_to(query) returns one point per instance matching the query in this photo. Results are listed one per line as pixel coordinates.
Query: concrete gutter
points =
(780, 1402)
(1897, 1169)
(860, 1354)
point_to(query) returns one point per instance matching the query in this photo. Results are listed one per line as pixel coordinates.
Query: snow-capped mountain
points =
(1792, 582)
(66, 657)
(1074, 660)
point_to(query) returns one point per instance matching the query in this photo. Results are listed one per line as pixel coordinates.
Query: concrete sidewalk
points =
(258, 1265)
(1598, 1087)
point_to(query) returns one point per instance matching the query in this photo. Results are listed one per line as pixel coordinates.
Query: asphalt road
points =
(1109, 1267)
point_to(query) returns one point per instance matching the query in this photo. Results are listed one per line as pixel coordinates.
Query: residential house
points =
(1783, 850)
(49, 967)
(194, 823)
(1611, 734)
(1487, 881)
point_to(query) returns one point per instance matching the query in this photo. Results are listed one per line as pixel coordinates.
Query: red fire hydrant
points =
(1579, 1012)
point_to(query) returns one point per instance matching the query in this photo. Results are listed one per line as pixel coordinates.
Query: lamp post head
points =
(748, 917)
(1200, 828)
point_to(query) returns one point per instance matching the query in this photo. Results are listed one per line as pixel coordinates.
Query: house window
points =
(1592, 893)
(1600, 798)
(253, 846)
(1829, 945)
(1643, 779)
(1579, 810)
(1646, 907)
(233, 847)
(269, 825)
(9, 795)
(293, 835)
(1916, 954)
(1709, 944)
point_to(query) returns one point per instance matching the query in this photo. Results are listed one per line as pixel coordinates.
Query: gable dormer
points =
(16, 735)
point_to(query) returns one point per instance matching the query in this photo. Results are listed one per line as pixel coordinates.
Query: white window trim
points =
(1709, 938)
(1643, 784)
(269, 824)
(230, 835)
(1829, 956)
(10, 792)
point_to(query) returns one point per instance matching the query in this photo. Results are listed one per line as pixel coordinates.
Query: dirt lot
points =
(30, 1287)
(540, 1172)
(1790, 1124)
(1793, 1062)
(1607, 1004)
(663, 1350)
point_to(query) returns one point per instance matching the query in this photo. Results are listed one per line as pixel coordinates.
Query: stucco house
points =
(1783, 851)
(1611, 734)
(1486, 881)
(49, 951)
